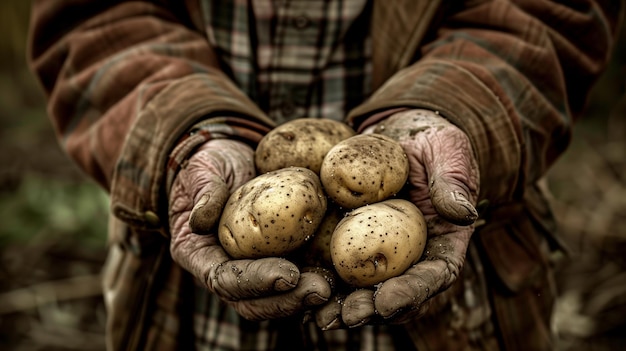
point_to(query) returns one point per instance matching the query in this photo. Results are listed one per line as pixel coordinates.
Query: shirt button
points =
(151, 218)
(301, 22)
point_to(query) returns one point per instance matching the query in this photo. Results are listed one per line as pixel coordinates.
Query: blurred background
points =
(53, 219)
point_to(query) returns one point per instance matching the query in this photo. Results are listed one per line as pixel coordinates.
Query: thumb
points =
(451, 201)
(451, 168)
(208, 209)
(452, 175)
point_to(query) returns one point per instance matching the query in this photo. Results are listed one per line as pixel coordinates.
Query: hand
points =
(258, 289)
(443, 183)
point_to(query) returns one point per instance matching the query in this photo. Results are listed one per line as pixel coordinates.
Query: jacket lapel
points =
(398, 27)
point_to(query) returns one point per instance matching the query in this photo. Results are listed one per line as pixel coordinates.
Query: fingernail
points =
(390, 314)
(202, 201)
(282, 284)
(470, 214)
(201, 222)
(334, 324)
(314, 299)
(360, 323)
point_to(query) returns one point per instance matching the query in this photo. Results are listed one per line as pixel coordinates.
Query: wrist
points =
(235, 128)
(377, 118)
(402, 124)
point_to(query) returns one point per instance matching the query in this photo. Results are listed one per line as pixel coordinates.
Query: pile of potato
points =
(327, 196)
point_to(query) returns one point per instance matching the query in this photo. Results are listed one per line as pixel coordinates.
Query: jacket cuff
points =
(465, 101)
(139, 185)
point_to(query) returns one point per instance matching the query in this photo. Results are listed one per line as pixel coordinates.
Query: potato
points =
(300, 142)
(317, 251)
(364, 169)
(376, 242)
(272, 214)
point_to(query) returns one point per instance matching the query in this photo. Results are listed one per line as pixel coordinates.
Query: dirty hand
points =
(258, 289)
(443, 183)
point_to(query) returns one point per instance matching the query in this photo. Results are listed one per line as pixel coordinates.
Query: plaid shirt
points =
(127, 81)
(295, 58)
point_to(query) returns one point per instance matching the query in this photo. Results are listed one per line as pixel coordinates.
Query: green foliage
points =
(43, 207)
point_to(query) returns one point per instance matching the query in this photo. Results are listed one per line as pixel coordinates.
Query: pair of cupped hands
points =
(443, 182)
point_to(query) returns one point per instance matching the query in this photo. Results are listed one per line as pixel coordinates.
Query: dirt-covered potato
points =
(300, 142)
(316, 252)
(273, 214)
(376, 242)
(364, 169)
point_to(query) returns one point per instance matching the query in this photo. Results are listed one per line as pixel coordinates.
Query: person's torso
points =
(294, 58)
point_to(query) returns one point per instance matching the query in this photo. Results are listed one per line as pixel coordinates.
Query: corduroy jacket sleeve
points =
(125, 80)
(513, 75)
